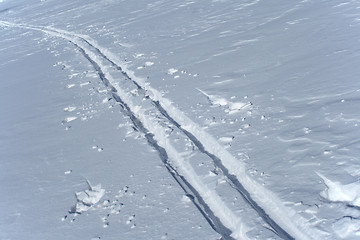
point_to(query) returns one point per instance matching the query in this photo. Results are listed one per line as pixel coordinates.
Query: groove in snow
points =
(220, 217)
(283, 219)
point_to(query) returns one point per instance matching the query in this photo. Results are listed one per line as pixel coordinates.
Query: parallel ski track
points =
(252, 192)
(189, 190)
(236, 184)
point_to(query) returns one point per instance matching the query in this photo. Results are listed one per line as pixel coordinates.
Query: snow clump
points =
(337, 192)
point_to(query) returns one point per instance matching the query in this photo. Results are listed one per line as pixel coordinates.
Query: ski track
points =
(284, 221)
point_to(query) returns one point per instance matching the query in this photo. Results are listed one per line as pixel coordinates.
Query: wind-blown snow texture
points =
(193, 119)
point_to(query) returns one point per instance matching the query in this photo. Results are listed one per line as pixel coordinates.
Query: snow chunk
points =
(171, 71)
(235, 107)
(337, 192)
(70, 86)
(185, 199)
(226, 139)
(69, 109)
(139, 55)
(148, 64)
(347, 227)
(232, 107)
(85, 83)
(69, 119)
(88, 198)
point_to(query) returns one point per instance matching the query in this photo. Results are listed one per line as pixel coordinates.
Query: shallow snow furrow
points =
(269, 208)
(207, 201)
(235, 182)
(189, 190)
(285, 222)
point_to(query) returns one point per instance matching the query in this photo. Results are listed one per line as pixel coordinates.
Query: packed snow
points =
(337, 192)
(196, 119)
(87, 198)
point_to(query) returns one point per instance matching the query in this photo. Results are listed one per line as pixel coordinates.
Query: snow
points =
(70, 109)
(171, 71)
(69, 119)
(337, 192)
(347, 228)
(148, 64)
(88, 198)
(232, 107)
(196, 119)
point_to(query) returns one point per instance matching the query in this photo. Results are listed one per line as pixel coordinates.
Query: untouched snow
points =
(197, 119)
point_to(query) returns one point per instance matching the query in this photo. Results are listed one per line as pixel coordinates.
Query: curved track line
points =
(207, 201)
(285, 222)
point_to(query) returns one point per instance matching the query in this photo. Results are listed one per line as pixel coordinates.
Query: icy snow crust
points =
(251, 111)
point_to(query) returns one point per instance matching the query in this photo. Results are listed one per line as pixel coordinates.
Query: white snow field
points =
(160, 119)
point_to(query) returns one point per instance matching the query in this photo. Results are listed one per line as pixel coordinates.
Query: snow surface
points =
(196, 119)
(337, 192)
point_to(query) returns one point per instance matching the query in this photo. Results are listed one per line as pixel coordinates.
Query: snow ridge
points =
(285, 222)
